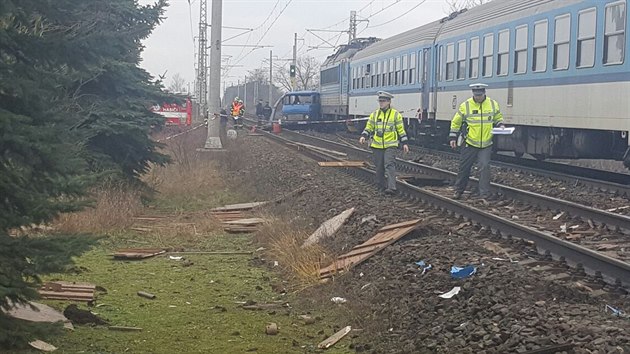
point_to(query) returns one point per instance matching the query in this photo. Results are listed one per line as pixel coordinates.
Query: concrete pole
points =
(270, 75)
(245, 94)
(293, 86)
(214, 90)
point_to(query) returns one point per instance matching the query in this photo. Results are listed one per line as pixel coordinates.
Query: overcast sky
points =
(172, 46)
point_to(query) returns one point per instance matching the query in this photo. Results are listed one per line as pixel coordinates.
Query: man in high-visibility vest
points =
(386, 128)
(481, 114)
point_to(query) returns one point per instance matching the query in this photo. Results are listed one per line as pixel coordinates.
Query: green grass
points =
(187, 315)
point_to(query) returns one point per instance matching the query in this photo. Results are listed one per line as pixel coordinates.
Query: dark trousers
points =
(385, 161)
(468, 156)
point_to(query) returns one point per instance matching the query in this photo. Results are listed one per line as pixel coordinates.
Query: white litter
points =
(175, 258)
(451, 293)
(338, 300)
(365, 286)
(275, 263)
(563, 228)
(558, 216)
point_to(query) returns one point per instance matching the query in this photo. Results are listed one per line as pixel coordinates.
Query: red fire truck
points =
(175, 114)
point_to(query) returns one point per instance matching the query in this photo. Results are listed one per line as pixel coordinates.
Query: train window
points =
(503, 60)
(362, 77)
(390, 79)
(539, 64)
(473, 63)
(384, 72)
(397, 71)
(520, 50)
(412, 67)
(461, 60)
(370, 72)
(377, 71)
(488, 51)
(450, 61)
(587, 25)
(614, 33)
(442, 61)
(405, 65)
(352, 74)
(562, 35)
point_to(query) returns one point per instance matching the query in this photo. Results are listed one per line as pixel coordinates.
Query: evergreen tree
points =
(73, 107)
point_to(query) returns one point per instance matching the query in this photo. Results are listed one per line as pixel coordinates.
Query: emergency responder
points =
(259, 112)
(481, 114)
(267, 110)
(259, 109)
(237, 106)
(386, 128)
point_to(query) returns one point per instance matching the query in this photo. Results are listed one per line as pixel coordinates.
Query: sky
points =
(172, 47)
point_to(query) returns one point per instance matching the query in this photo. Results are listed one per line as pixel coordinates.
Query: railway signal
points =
(292, 70)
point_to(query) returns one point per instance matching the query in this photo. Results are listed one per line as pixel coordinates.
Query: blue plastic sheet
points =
(463, 272)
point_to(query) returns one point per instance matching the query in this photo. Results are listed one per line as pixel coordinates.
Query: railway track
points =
(618, 183)
(596, 249)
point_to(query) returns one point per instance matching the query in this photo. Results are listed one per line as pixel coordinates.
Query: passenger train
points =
(556, 67)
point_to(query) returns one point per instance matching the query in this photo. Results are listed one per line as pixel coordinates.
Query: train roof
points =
(347, 51)
(489, 14)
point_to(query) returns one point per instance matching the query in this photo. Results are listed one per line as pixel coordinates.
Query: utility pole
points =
(270, 75)
(214, 107)
(245, 94)
(352, 32)
(202, 58)
(294, 63)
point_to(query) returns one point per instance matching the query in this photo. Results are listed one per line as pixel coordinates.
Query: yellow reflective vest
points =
(480, 119)
(386, 128)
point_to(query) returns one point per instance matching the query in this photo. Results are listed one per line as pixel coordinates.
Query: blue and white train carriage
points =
(556, 67)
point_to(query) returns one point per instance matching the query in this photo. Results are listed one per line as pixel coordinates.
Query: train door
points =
(344, 68)
(425, 64)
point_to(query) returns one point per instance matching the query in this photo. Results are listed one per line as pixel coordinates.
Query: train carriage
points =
(556, 67)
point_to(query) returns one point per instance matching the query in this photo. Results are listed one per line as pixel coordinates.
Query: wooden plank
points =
(400, 224)
(66, 295)
(330, 341)
(137, 253)
(329, 227)
(385, 237)
(241, 206)
(245, 222)
(341, 164)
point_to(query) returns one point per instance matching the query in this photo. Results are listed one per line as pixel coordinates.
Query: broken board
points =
(61, 290)
(329, 227)
(243, 225)
(341, 163)
(330, 341)
(137, 253)
(36, 312)
(241, 206)
(385, 237)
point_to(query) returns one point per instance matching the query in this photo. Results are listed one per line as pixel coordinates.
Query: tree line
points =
(73, 113)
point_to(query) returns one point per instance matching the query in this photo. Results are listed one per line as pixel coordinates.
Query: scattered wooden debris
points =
(332, 340)
(124, 329)
(329, 227)
(43, 346)
(61, 290)
(243, 225)
(257, 307)
(137, 253)
(341, 164)
(225, 253)
(385, 237)
(228, 215)
(241, 207)
(146, 295)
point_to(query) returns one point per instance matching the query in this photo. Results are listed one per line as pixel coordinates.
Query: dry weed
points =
(284, 245)
(113, 210)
